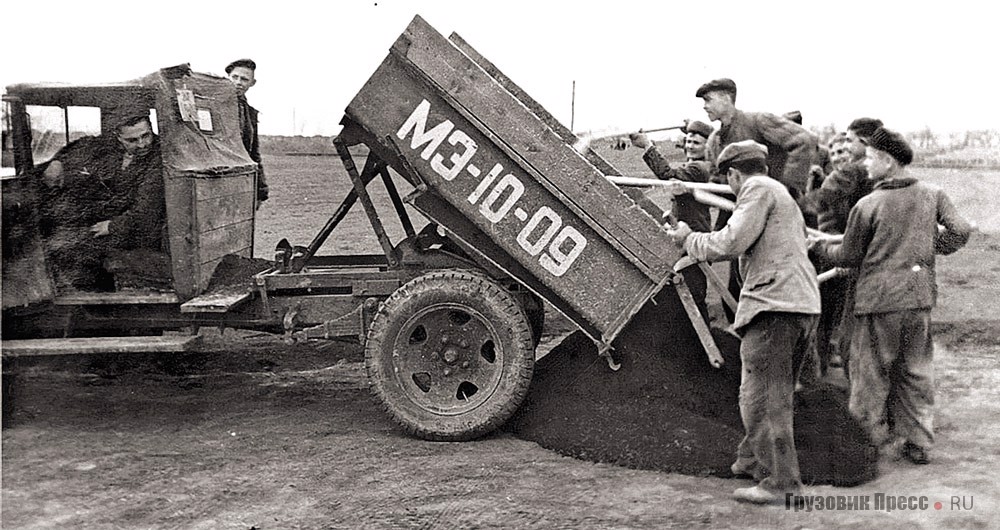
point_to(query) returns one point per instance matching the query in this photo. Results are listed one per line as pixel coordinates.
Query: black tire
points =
(450, 355)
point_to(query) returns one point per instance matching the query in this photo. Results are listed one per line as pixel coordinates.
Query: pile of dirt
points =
(235, 271)
(668, 409)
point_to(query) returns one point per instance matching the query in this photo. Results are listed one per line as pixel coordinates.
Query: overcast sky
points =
(636, 64)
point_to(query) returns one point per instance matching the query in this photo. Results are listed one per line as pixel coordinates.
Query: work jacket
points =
(790, 148)
(767, 233)
(96, 188)
(248, 129)
(892, 236)
(840, 191)
(692, 212)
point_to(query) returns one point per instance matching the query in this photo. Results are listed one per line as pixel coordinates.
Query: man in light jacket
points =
(776, 315)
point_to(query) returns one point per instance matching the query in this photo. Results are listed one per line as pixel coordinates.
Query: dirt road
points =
(257, 434)
(260, 435)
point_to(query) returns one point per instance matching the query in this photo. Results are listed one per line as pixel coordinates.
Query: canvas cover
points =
(202, 132)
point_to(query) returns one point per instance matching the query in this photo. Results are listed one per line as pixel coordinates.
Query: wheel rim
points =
(448, 358)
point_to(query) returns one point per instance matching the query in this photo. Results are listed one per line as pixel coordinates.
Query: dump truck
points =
(449, 316)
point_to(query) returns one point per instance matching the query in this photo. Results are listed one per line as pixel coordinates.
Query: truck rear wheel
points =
(450, 355)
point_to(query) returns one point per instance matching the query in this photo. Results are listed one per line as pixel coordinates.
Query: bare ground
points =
(269, 436)
(258, 434)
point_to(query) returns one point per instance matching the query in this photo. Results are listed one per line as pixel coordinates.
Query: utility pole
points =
(572, 108)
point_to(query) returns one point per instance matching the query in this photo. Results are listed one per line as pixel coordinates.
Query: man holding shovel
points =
(685, 207)
(776, 316)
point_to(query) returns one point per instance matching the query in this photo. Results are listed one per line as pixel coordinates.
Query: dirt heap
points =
(236, 272)
(668, 409)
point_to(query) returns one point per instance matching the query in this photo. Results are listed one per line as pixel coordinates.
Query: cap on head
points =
(864, 127)
(127, 117)
(793, 116)
(721, 85)
(893, 143)
(838, 138)
(740, 151)
(698, 127)
(246, 63)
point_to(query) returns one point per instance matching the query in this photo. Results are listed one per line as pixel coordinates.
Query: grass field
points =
(306, 190)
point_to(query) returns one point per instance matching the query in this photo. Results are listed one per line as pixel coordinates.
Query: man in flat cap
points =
(242, 72)
(790, 148)
(694, 169)
(776, 315)
(892, 237)
(101, 194)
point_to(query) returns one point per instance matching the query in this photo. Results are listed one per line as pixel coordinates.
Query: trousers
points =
(773, 348)
(892, 376)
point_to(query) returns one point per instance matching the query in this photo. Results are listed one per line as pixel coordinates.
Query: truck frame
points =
(449, 316)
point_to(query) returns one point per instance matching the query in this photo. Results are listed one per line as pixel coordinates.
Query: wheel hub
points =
(449, 358)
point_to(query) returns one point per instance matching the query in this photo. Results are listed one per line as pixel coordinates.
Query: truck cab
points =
(208, 182)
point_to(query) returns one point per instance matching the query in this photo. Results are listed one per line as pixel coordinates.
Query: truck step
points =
(217, 302)
(116, 298)
(87, 345)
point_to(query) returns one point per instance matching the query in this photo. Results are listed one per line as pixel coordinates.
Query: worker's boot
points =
(744, 468)
(914, 453)
(759, 495)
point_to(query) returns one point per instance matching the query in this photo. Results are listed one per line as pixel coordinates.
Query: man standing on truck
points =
(790, 148)
(776, 315)
(100, 194)
(242, 72)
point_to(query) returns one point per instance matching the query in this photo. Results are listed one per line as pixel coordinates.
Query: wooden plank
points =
(224, 210)
(567, 135)
(182, 235)
(461, 78)
(225, 240)
(212, 187)
(217, 302)
(116, 298)
(89, 345)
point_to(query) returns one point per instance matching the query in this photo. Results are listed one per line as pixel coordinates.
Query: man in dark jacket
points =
(844, 186)
(892, 236)
(833, 201)
(100, 194)
(790, 148)
(694, 169)
(242, 72)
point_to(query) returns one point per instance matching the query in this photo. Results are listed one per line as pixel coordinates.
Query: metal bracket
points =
(288, 322)
(700, 327)
(706, 268)
(604, 350)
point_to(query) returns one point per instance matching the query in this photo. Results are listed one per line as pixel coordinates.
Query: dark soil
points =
(668, 409)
